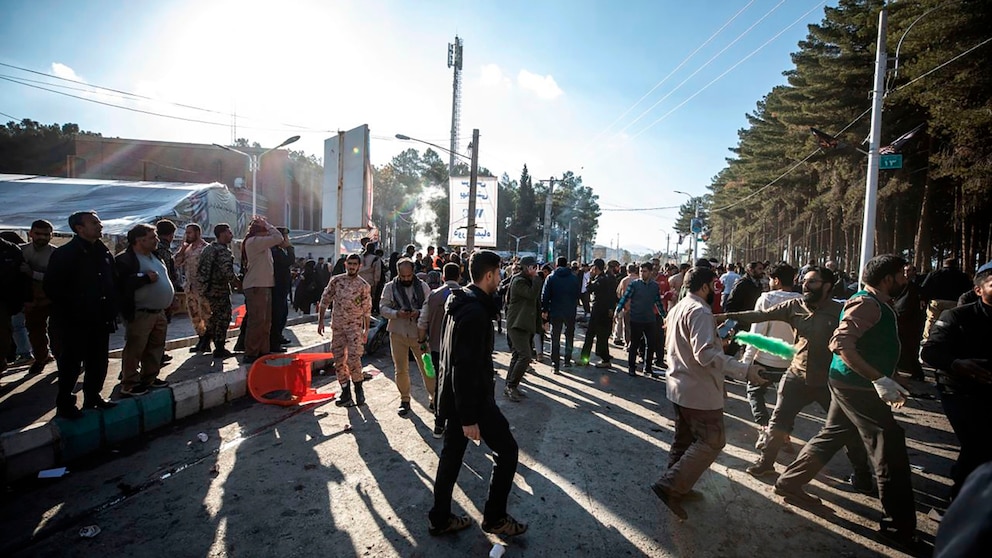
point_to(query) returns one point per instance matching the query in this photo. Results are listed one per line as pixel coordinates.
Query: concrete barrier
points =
(213, 389)
(187, 398)
(29, 450)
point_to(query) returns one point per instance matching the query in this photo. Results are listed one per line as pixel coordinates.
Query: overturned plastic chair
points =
(284, 380)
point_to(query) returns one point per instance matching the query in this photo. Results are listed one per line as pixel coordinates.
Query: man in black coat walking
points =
(466, 398)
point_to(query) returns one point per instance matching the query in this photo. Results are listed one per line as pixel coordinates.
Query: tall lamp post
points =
(254, 160)
(695, 239)
(472, 183)
(516, 250)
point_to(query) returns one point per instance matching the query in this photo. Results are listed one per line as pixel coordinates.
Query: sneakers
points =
(438, 428)
(507, 526)
(404, 409)
(134, 392)
(157, 384)
(99, 403)
(603, 364)
(22, 360)
(796, 496)
(512, 394)
(673, 502)
(455, 523)
(568, 364)
(760, 469)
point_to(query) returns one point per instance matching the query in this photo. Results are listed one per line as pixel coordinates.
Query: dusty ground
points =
(294, 482)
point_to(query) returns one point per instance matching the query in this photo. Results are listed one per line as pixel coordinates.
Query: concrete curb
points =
(46, 445)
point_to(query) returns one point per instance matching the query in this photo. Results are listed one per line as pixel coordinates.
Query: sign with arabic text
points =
(486, 194)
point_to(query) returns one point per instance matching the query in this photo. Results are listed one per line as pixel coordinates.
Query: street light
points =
(695, 239)
(518, 239)
(254, 160)
(472, 182)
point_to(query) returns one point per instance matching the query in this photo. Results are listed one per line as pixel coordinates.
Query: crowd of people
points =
(853, 352)
(849, 357)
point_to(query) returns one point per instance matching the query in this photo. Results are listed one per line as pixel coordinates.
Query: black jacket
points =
(742, 298)
(81, 283)
(466, 377)
(603, 289)
(282, 263)
(128, 282)
(947, 283)
(15, 285)
(960, 333)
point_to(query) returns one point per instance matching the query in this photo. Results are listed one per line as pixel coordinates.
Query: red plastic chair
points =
(286, 383)
(237, 316)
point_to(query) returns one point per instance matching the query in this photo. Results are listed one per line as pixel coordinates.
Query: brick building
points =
(289, 192)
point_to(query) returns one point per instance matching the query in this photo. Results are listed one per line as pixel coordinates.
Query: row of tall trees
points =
(787, 192)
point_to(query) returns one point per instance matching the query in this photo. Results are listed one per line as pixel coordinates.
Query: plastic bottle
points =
(428, 361)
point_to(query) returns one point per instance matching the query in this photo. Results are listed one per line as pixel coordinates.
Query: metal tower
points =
(455, 61)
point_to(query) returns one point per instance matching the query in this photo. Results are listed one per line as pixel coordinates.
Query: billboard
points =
(486, 195)
(346, 163)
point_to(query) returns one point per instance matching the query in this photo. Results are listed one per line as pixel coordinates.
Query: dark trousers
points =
(659, 343)
(520, 359)
(794, 396)
(495, 432)
(964, 412)
(557, 324)
(584, 299)
(642, 333)
(599, 329)
(699, 437)
(82, 345)
(280, 315)
(756, 395)
(861, 412)
(910, 334)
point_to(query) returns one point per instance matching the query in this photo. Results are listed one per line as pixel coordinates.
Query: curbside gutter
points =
(46, 445)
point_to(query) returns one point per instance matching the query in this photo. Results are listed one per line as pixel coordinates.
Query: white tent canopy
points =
(120, 204)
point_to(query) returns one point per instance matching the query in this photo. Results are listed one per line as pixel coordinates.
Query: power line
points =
(671, 73)
(727, 71)
(701, 68)
(14, 118)
(907, 84)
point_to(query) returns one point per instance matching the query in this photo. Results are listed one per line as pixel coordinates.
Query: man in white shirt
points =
(696, 370)
(729, 279)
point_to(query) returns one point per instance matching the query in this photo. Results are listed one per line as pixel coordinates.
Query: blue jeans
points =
(20, 332)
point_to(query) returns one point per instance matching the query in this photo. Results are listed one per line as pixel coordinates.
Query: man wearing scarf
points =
(401, 304)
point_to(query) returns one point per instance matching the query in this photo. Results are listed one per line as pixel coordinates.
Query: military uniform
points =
(350, 300)
(215, 273)
(164, 253)
(196, 302)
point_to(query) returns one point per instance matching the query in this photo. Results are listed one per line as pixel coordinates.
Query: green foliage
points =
(28, 147)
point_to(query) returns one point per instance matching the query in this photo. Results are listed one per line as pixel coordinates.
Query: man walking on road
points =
(521, 324)
(188, 258)
(429, 324)
(866, 353)
(403, 299)
(467, 402)
(643, 300)
(558, 302)
(603, 290)
(696, 370)
(145, 294)
(350, 299)
(81, 284)
(215, 274)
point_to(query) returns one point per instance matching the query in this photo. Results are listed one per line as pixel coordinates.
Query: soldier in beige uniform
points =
(350, 299)
(188, 258)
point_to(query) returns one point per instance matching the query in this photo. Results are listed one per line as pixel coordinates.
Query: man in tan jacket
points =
(402, 300)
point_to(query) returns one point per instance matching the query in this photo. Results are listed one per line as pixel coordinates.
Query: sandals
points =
(506, 526)
(455, 523)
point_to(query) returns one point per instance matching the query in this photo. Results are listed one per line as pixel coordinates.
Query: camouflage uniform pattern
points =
(350, 301)
(215, 273)
(196, 303)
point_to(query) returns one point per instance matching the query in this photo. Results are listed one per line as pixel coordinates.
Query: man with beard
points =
(866, 352)
(643, 301)
(402, 301)
(350, 299)
(813, 319)
(188, 258)
(697, 367)
(215, 274)
(36, 311)
(746, 292)
(521, 324)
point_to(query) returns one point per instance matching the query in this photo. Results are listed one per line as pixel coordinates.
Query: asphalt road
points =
(329, 481)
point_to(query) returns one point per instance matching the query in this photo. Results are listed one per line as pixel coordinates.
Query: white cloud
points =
(544, 87)
(492, 76)
(63, 71)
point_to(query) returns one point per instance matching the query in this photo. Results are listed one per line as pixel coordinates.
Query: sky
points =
(640, 98)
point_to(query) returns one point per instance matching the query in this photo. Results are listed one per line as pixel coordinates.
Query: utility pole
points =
(871, 181)
(472, 188)
(547, 220)
(455, 61)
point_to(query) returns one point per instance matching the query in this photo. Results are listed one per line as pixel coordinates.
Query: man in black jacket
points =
(282, 261)
(959, 348)
(80, 282)
(603, 289)
(746, 292)
(15, 290)
(466, 397)
(941, 290)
